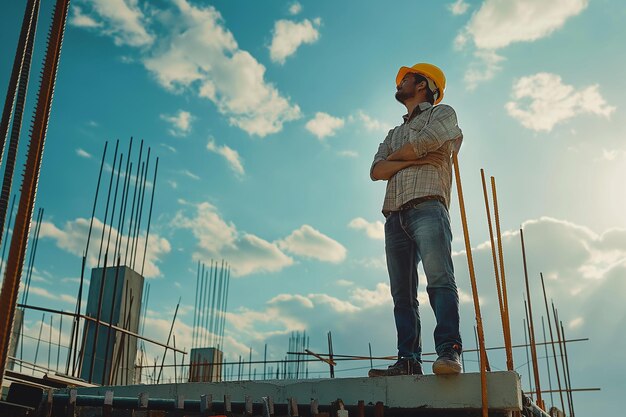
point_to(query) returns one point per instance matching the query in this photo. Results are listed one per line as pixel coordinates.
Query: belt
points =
(416, 201)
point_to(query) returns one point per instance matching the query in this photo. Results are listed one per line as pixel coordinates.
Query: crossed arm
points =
(405, 157)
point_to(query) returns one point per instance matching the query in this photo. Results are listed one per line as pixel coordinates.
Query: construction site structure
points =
(109, 356)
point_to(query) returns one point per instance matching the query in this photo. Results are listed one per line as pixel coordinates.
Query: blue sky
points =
(266, 115)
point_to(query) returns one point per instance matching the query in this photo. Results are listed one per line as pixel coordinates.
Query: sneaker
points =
(404, 366)
(448, 362)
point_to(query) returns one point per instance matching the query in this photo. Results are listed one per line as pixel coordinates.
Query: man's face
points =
(406, 89)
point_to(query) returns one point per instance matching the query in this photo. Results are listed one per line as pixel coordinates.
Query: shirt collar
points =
(423, 106)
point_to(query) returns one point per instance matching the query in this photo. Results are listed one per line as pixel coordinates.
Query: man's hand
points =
(384, 170)
(435, 158)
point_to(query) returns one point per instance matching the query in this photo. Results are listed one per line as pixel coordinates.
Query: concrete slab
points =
(427, 391)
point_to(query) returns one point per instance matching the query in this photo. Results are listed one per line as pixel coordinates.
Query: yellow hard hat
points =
(430, 71)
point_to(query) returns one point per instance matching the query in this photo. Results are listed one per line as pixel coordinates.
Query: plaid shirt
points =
(428, 129)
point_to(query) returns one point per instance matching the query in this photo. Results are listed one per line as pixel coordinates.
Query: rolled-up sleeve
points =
(384, 150)
(441, 127)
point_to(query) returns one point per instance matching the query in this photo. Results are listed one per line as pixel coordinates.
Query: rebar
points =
(23, 218)
(556, 362)
(145, 248)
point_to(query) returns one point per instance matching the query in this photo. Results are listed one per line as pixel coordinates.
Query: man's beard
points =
(402, 96)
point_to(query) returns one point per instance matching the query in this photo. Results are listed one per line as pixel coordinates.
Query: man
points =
(415, 160)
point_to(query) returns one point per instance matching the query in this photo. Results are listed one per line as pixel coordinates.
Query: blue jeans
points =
(422, 233)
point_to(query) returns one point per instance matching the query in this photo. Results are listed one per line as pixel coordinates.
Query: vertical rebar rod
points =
(195, 313)
(50, 340)
(526, 344)
(132, 209)
(265, 362)
(109, 327)
(201, 312)
(43, 318)
(106, 207)
(545, 348)
(225, 305)
(77, 356)
(6, 236)
(15, 101)
(218, 309)
(121, 215)
(533, 346)
(145, 248)
(470, 263)
(31, 259)
(98, 315)
(508, 344)
(556, 362)
(560, 341)
(509, 353)
(213, 298)
(76, 322)
(250, 365)
(168, 341)
(569, 380)
(205, 313)
(59, 345)
(140, 208)
(117, 183)
(23, 218)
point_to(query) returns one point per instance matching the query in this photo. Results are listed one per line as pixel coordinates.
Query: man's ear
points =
(422, 85)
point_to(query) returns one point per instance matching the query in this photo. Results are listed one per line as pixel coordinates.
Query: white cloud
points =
(200, 54)
(374, 230)
(499, 23)
(82, 20)
(190, 174)
(295, 8)
(181, 122)
(288, 36)
(552, 101)
(310, 243)
(323, 125)
(459, 7)
(484, 68)
(82, 153)
(123, 20)
(348, 154)
(72, 238)
(230, 155)
(369, 123)
(217, 239)
(612, 154)
(52, 295)
(169, 147)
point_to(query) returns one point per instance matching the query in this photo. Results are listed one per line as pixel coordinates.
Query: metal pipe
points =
(23, 218)
(145, 248)
(533, 347)
(470, 263)
(556, 362)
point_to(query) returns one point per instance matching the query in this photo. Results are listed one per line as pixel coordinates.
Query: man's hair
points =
(429, 94)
